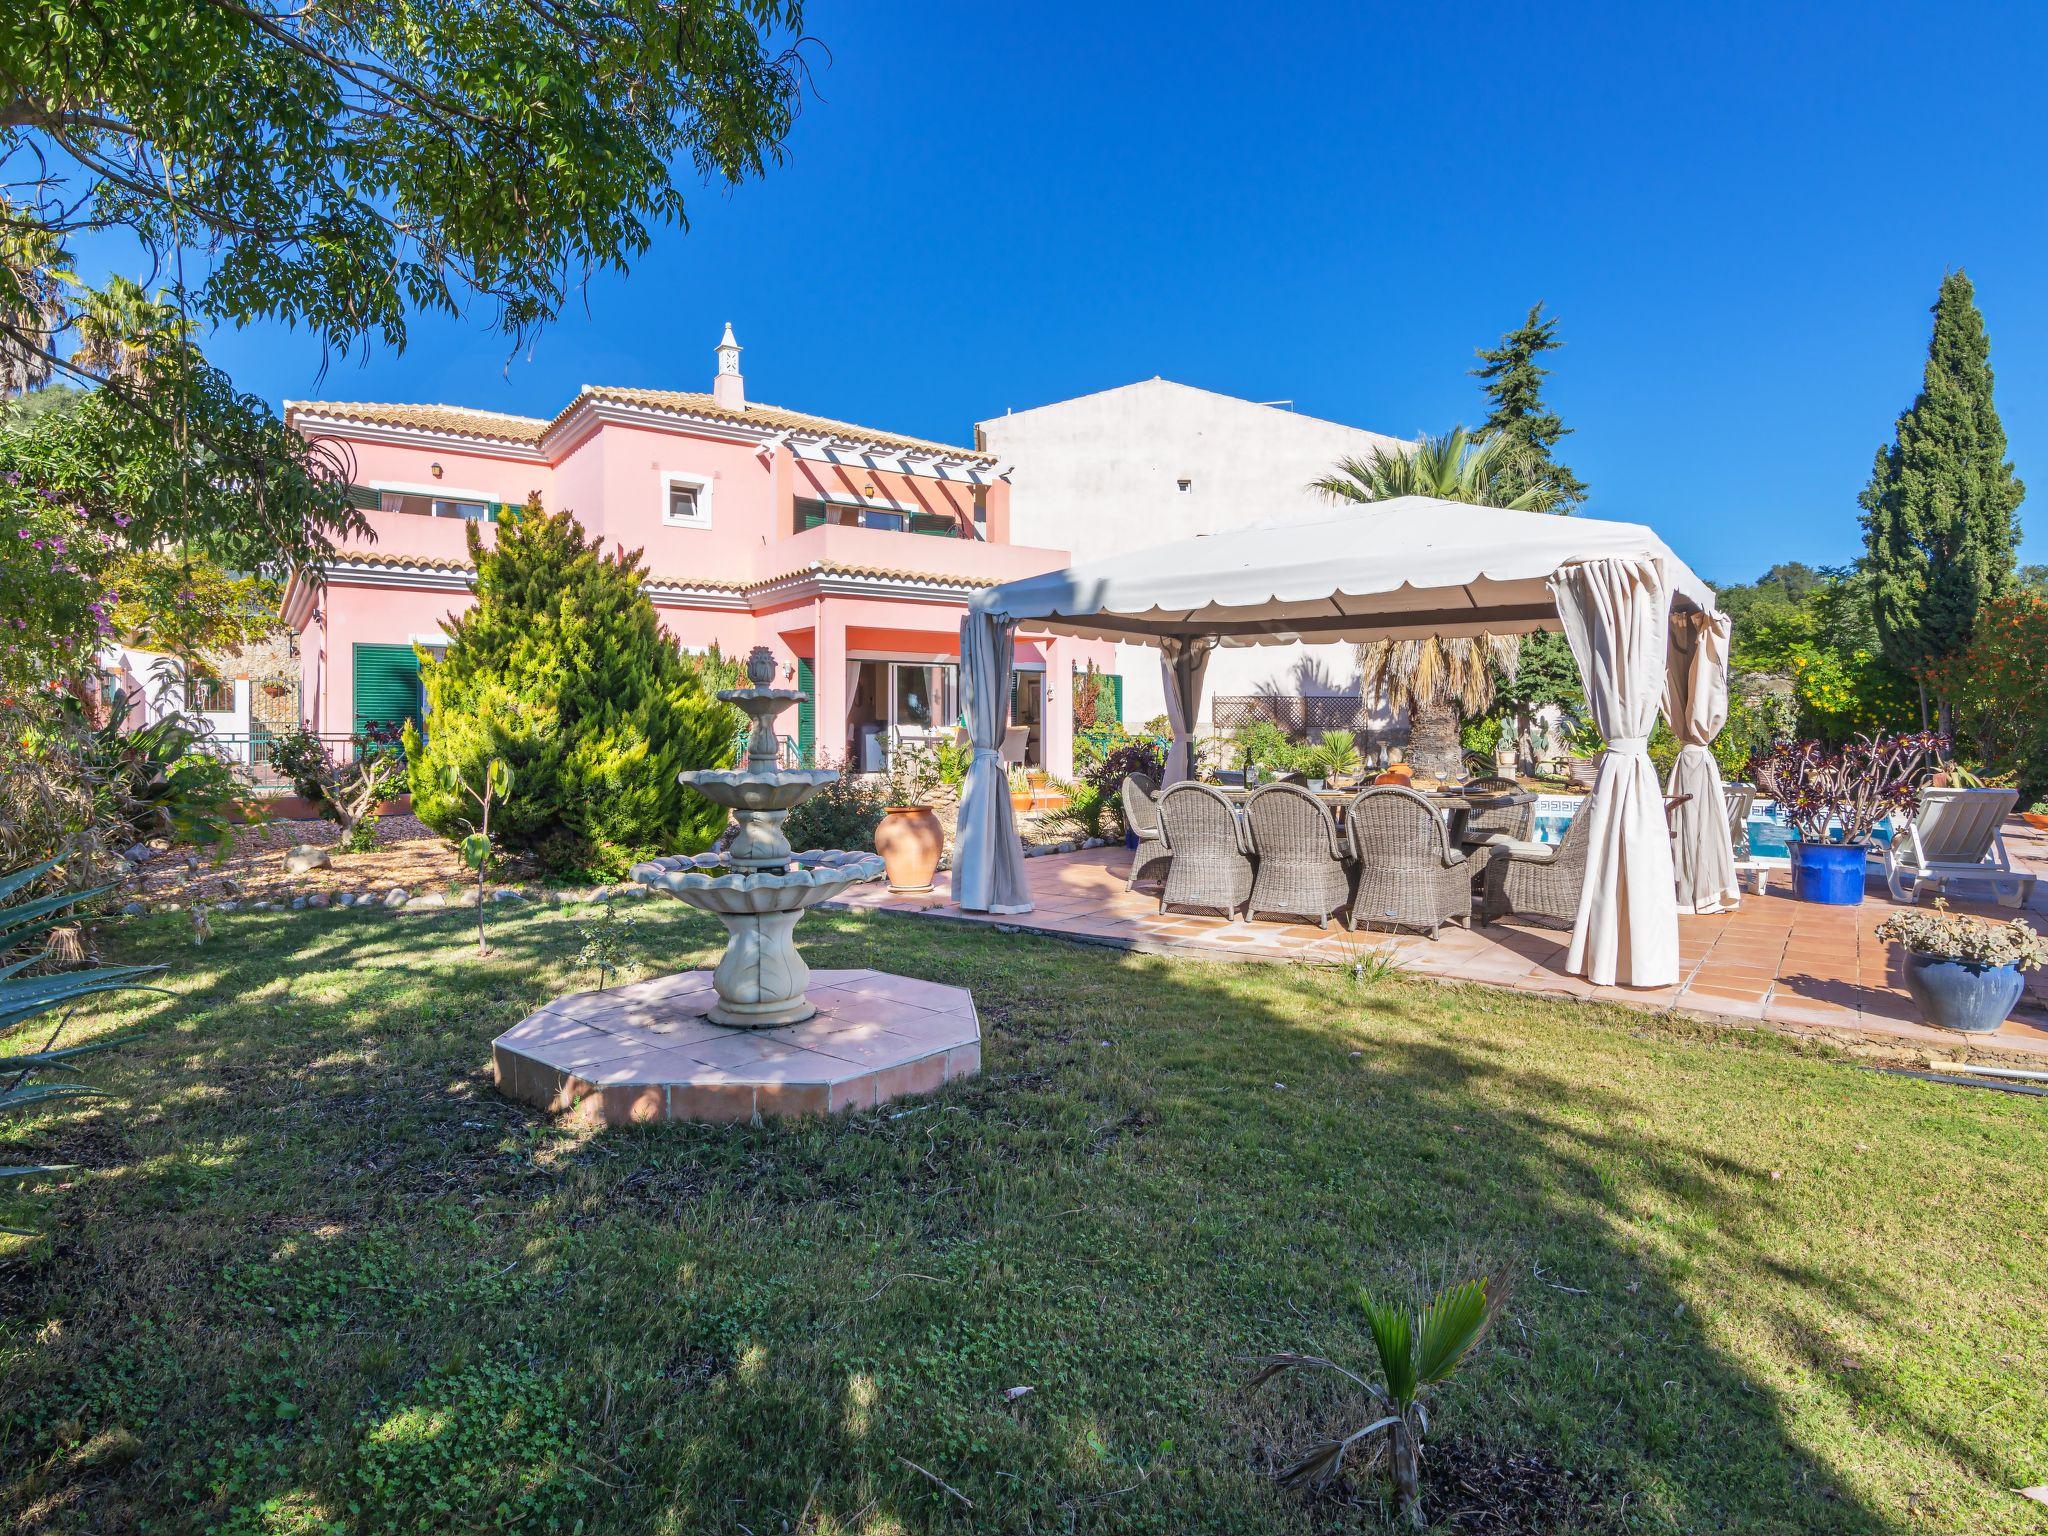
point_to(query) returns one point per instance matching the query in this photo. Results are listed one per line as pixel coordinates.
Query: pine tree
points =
(1941, 511)
(1514, 387)
(561, 671)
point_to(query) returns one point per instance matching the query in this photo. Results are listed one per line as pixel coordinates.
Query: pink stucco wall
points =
(614, 477)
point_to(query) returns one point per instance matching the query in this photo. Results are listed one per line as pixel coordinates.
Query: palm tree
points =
(120, 327)
(1487, 472)
(1440, 682)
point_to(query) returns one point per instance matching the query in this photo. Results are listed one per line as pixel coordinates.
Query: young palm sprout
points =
(1417, 1353)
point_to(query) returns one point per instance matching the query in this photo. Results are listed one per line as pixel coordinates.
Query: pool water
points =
(1767, 833)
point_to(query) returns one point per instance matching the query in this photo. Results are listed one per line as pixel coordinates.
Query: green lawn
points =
(318, 1276)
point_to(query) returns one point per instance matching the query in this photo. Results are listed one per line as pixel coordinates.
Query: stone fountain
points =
(762, 1034)
(757, 887)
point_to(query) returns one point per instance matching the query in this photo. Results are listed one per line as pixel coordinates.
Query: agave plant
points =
(24, 997)
(1418, 1351)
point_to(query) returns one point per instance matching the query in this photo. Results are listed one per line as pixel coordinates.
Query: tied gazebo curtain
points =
(1615, 616)
(988, 859)
(1696, 704)
(1182, 664)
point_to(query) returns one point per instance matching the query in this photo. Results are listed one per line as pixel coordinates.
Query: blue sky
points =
(1740, 213)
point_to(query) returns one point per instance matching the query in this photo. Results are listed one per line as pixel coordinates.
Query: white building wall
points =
(1148, 463)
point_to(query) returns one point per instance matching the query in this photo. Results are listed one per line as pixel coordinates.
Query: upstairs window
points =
(685, 501)
(812, 513)
(416, 504)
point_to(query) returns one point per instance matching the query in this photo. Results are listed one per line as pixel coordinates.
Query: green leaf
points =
(476, 850)
(36, 1093)
(1455, 1321)
(1395, 1336)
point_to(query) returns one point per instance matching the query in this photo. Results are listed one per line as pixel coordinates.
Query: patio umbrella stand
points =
(761, 1034)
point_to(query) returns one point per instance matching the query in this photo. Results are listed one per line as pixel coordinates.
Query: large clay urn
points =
(910, 840)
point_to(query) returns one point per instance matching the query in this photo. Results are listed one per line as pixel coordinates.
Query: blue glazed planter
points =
(1968, 995)
(1828, 873)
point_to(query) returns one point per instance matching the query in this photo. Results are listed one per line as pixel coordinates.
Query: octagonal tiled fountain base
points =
(646, 1052)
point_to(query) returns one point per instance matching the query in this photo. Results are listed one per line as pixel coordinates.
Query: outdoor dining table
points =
(1454, 806)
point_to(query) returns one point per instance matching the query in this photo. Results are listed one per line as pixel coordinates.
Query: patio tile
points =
(1773, 958)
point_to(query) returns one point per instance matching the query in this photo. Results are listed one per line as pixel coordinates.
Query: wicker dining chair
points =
(1211, 863)
(1300, 868)
(1538, 882)
(1507, 823)
(1141, 814)
(1409, 875)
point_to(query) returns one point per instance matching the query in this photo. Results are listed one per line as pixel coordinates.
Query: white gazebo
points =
(1643, 628)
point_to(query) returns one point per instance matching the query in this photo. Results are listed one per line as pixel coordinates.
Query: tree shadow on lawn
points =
(1165, 1169)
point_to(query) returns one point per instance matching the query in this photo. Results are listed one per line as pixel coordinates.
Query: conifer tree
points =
(1514, 391)
(1941, 511)
(561, 671)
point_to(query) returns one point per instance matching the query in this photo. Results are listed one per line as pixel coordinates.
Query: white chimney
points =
(729, 389)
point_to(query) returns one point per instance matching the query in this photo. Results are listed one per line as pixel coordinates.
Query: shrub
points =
(1107, 777)
(562, 671)
(844, 814)
(1263, 744)
(347, 794)
(157, 780)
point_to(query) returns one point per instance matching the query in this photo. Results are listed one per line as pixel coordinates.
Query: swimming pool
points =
(1767, 832)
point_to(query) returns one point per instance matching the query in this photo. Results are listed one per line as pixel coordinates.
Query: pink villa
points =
(846, 551)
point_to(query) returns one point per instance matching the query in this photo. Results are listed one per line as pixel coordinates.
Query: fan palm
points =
(1451, 466)
(120, 327)
(1417, 1352)
(1438, 682)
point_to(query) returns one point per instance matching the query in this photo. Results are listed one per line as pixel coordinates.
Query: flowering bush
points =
(1850, 789)
(1998, 684)
(1947, 935)
(54, 601)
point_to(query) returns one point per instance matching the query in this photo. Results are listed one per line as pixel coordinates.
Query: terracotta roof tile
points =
(529, 431)
(772, 417)
(453, 420)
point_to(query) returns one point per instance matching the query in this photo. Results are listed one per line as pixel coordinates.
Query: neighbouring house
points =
(1145, 464)
(241, 698)
(849, 552)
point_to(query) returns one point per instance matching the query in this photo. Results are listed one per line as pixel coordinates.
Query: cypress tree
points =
(1941, 511)
(561, 670)
(1514, 389)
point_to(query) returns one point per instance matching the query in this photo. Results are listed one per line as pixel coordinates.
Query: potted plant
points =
(910, 838)
(1964, 972)
(1832, 800)
(1338, 756)
(1315, 762)
(2036, 815)
(1021, 796)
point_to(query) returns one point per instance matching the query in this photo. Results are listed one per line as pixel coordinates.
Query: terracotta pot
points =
(910, 840)
(2035, 819)
(1020, 802)
(1399, 773)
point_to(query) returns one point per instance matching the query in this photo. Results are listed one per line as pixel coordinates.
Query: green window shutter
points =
(1116, 694)
(806, 712)
(934, 523)
(387, 683)
(364, 499)
(809, 514)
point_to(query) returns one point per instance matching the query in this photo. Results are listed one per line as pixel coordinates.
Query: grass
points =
(316, 1276)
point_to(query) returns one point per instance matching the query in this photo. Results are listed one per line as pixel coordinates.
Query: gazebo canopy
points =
(1642, 627)
(1405, 568)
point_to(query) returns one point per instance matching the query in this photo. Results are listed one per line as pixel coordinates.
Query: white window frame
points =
(701, 484)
